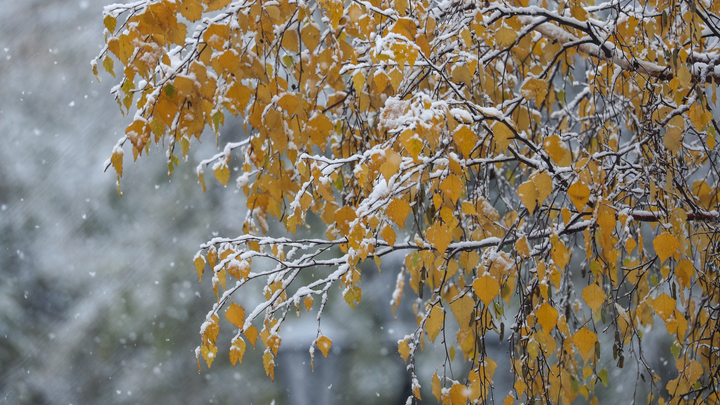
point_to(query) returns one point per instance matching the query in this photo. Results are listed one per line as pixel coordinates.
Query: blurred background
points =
(99, 301)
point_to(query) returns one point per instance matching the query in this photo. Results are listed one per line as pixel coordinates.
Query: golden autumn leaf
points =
(435, 322)
(528, 194)
(391, 165)
(436, 387)
(502, 135)
(222, 173)
(543, 185)
(237, 351)
(585, 339)
(594, 296)
(463, 309)
(452, 187)
(672, 139)
(404, 349)
(235, 314)
(505, 36)
(557, 150)
(486, 288)
(685, 272)
(252, 334)
(439, 236)
(664, 306)
(269, 364)
(666, 246)
(465, 140)
(579, 194)
(547, 316)
(398, 211)
(323, 343)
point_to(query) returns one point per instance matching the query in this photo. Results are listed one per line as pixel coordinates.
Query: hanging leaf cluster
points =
(547, 169)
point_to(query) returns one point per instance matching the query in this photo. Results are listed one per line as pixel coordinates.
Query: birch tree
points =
(548, 171)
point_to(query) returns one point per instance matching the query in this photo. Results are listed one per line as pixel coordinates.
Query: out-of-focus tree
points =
(547, 168)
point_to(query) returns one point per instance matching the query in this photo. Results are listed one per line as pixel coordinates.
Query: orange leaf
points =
(664, 306)
(486, 288)
(323, 343)
(666, 245)
(237, 350)
(440, 236)
(235, 314)
(594, 296)
(585, 340)
(579, 194)
(452, 187)
(434, 323)
(547, 316)
(398, 211)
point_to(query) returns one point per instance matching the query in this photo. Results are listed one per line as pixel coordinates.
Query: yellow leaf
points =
(343, 217)
(528, 195)
(214, 5)
(463, 308)
(505, 36)
(289, 103)
(547, 317)
(269, 364)
(110, 23)
(434, 323)
(560, 254)
(358, 82)
(458, 394)
(579, 194)
(664, 306)
(673, 139)
(486, 288)
(391, 165)
(239, 269)
(388, 234)
(222, 173)
(452, 187)
(308, 301)
(398, 211)
(405, 27)
(465, 139)
(522, 247)
(436, 387)
(543, 185)
(310, 35)
(534, 89)
(502, 135)
(117, 160)
(252, 334)
(290, 41)
(216, 35)
(235, 314)
(237, 350)
(199, 263)
(440, 236)
(666, 245)
(557, 150)
(683, 74)
(208, 352)
(404, 349)
(323, 343)
(594, 296)
(584, 340)
(684, 271)
(191, 10)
